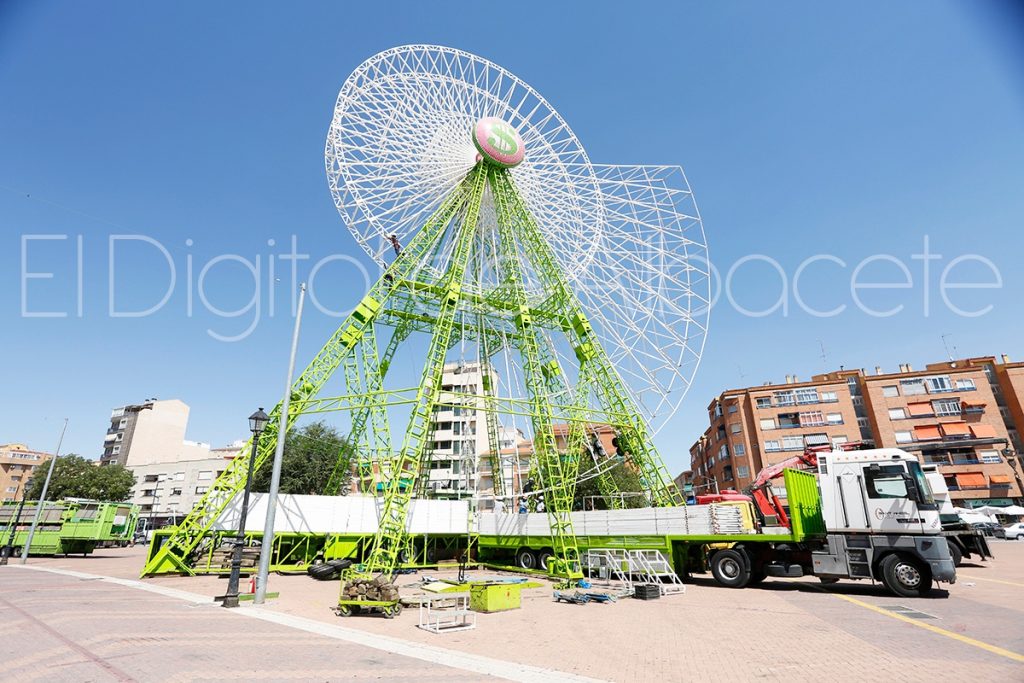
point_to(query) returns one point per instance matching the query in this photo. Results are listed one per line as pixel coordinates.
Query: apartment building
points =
(150, 432)
(459, 430)
(166, 492)
(754, 427)
(17, 464)
(958, 414)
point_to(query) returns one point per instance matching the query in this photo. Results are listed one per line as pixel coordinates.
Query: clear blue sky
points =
(849, 129)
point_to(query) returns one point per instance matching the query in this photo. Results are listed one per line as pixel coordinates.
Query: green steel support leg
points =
(391, 530)
(174, 554)
(636, 439)
(558, 489)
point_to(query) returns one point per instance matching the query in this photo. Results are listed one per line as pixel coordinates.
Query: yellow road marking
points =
(979, 578)
(935, 629)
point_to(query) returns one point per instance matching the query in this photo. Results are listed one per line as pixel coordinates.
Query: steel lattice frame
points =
(589, 282)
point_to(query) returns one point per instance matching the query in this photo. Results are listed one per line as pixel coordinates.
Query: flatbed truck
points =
(862, 515)
(859, 515)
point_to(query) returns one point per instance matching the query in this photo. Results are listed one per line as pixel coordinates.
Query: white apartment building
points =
(460, 431)
(165, 492)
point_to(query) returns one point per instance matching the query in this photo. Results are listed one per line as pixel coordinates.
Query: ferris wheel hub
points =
(498, 142)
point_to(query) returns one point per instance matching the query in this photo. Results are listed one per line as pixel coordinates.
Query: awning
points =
(983, 431)
(955, 429)
(971, 480)
(1000, 479)
(920, 409)
(927, 432)
(966, 405)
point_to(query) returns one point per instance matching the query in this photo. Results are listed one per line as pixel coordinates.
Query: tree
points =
(310, 456)
(76, 477)
(622, 475)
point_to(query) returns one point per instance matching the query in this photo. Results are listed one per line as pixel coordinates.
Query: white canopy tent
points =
(1011, 510)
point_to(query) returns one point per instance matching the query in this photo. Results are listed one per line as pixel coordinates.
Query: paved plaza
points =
(91, 619)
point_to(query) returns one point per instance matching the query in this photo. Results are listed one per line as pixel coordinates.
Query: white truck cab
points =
(883, 521)
(877, 491)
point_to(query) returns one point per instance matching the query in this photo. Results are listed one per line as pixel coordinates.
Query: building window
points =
(807, 395)
(733, 408)
(784, 398)
(202, 489)
(723, 452)
(788, 420)
(742, 471)
(720, 434)
(718, 410)
(897, 414)
(837, 440)
(772, 446)
(735, 428)
(768, 423)
(990, 457)
(834, 418)
(205, 475)
(812, 419)
(739, 449)
(912, 387)
(891, 391)
(965, 384)
(829, 397)
(938, 384)
(764, 401)
(176, 492)
(179, 476)
(123, 423)
(946, 406)
(904, 437)
(816, 439)
(727, 472)
(115, 450)
(792, 443)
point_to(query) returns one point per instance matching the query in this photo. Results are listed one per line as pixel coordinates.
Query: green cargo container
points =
(495, 597)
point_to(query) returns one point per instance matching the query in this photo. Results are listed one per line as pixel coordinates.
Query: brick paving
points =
(793, 630)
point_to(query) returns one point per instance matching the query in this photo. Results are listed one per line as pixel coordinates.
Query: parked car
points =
(1014, 531)
(989, 529)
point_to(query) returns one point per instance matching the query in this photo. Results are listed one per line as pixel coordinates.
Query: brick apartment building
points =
(18, 463)
(959, 415)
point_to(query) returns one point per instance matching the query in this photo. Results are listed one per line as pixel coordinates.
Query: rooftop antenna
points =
(946, 344)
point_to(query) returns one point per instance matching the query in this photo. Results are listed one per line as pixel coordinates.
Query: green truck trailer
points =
(67, 527)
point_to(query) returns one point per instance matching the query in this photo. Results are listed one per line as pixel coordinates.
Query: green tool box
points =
(495, 597)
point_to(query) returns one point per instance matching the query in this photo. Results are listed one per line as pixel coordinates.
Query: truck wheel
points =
(544, 559)
(956, 554)
(525, 559)
(905, 576)
(730, 568)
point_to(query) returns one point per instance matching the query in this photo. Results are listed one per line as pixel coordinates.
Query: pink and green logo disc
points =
(498, 142)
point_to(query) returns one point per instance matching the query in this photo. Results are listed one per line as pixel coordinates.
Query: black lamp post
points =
(1011, 456)
(257, 423)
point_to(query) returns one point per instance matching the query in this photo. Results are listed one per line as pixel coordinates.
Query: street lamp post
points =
(1012, 456)
(257, 422)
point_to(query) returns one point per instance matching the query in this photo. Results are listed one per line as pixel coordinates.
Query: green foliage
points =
(76, 477)
(310, 454)
(623, 477)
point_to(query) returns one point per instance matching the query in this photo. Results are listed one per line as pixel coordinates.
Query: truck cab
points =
(882, 520)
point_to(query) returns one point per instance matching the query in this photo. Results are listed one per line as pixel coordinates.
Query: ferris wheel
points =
(628, 238)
